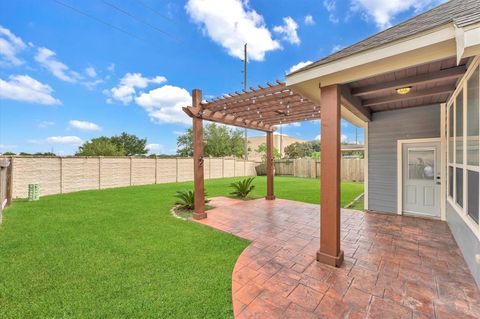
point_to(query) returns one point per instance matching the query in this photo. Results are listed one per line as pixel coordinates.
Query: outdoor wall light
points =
(404, 90)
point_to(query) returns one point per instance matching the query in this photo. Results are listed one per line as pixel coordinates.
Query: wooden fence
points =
(5, 184)
(56, 175)
(351, 169)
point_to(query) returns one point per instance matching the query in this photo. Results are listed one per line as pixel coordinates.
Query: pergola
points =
(262, 109)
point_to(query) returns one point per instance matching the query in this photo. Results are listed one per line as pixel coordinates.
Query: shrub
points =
(186, 199)
(242, 188)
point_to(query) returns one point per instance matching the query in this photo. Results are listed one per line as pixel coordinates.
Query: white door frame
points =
(400, 172)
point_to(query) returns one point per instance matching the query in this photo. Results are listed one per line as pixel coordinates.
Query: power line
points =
(139, 20)
(156, 11)
(99, 20)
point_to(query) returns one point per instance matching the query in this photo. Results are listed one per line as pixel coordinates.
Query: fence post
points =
(61, 174)
(210, 167)
(176, 169)
(10, 182)
(156, 160)
(223, 167)
(99, 172)
(234, 167)
(131, 169)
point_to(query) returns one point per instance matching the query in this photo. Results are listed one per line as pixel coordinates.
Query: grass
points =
(118, 253)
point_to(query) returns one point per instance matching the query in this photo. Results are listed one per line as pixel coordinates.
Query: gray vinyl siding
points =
(466, 240)
(385, 129)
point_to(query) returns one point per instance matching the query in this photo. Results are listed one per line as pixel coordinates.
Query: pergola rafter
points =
(258, 108)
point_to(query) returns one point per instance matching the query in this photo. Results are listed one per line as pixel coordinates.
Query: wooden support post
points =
(330, 252)
(198, 160)
(269, 159)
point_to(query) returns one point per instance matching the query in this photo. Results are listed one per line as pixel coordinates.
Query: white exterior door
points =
(421, 178)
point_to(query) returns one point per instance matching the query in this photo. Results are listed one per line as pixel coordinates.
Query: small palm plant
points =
(186, 199)
(242, 188)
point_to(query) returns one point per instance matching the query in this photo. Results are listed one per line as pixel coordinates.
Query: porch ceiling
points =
(430, 83)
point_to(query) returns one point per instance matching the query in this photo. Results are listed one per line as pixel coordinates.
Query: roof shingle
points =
(461, 12)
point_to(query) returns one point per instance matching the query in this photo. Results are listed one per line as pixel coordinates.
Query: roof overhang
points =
(436, 44)
(467, 41)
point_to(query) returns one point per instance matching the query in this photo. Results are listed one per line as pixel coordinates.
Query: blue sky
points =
(74, 70)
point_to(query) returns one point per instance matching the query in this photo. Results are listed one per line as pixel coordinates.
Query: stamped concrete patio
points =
(395, 266)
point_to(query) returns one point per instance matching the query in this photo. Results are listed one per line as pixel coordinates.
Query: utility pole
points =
(245, 65)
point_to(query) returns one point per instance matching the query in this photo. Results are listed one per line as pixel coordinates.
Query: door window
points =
(421, 164)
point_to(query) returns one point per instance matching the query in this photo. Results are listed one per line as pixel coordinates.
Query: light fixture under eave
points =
(404, 90)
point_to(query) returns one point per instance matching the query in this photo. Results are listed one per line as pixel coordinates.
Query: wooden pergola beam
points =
(270, 164)
(228, 119)
(292, 107)
(354, 104)
(254, 94)
(412, 95)
(284, 97)
(450, 73)
(198, 159)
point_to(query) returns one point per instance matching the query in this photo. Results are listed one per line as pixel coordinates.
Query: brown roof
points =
(461, 12)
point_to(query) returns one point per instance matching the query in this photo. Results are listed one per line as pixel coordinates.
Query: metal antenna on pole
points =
(245, 65)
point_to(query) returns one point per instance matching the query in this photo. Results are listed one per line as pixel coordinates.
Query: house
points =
(280, 142)
(414, 88)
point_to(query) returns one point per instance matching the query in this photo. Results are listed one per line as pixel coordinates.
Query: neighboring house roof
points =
(460, 12)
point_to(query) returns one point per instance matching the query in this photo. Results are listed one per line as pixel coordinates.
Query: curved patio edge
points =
(395, 266)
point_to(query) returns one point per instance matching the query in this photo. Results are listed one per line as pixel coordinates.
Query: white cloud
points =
(84, 125)
(26, 89)
(164, 104)
(309, 20)
(10, 46)
(178, 132)
(296, 124)
(318, 137)
(155, 148)
(331, 6)
(47, 58)
(125, 91)
(298, 66)
(90, 71)
(69, 139)
(45, 124)
(232, 23)
(288, 30)
(111, 67)
(383, 12)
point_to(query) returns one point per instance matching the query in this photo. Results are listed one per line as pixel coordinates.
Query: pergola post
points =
(270, 165)
(198, 160)
(330, 115)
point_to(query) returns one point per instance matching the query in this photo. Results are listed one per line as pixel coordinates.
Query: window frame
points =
(452, 162)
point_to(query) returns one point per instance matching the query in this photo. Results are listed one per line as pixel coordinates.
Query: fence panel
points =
(351, 169)
(78, 174)
(166, 170)
(143, 171)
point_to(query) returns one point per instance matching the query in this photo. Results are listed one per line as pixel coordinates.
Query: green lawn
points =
(119, 253)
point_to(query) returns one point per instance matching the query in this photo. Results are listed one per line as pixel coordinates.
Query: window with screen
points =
(463, 142)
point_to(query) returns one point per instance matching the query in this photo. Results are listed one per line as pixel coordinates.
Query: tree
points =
(9, 153)
(44, 154)
(185, 144)
(305, 149)
(262, 149)
(100, 146)
(131, 144)
(219, 141)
